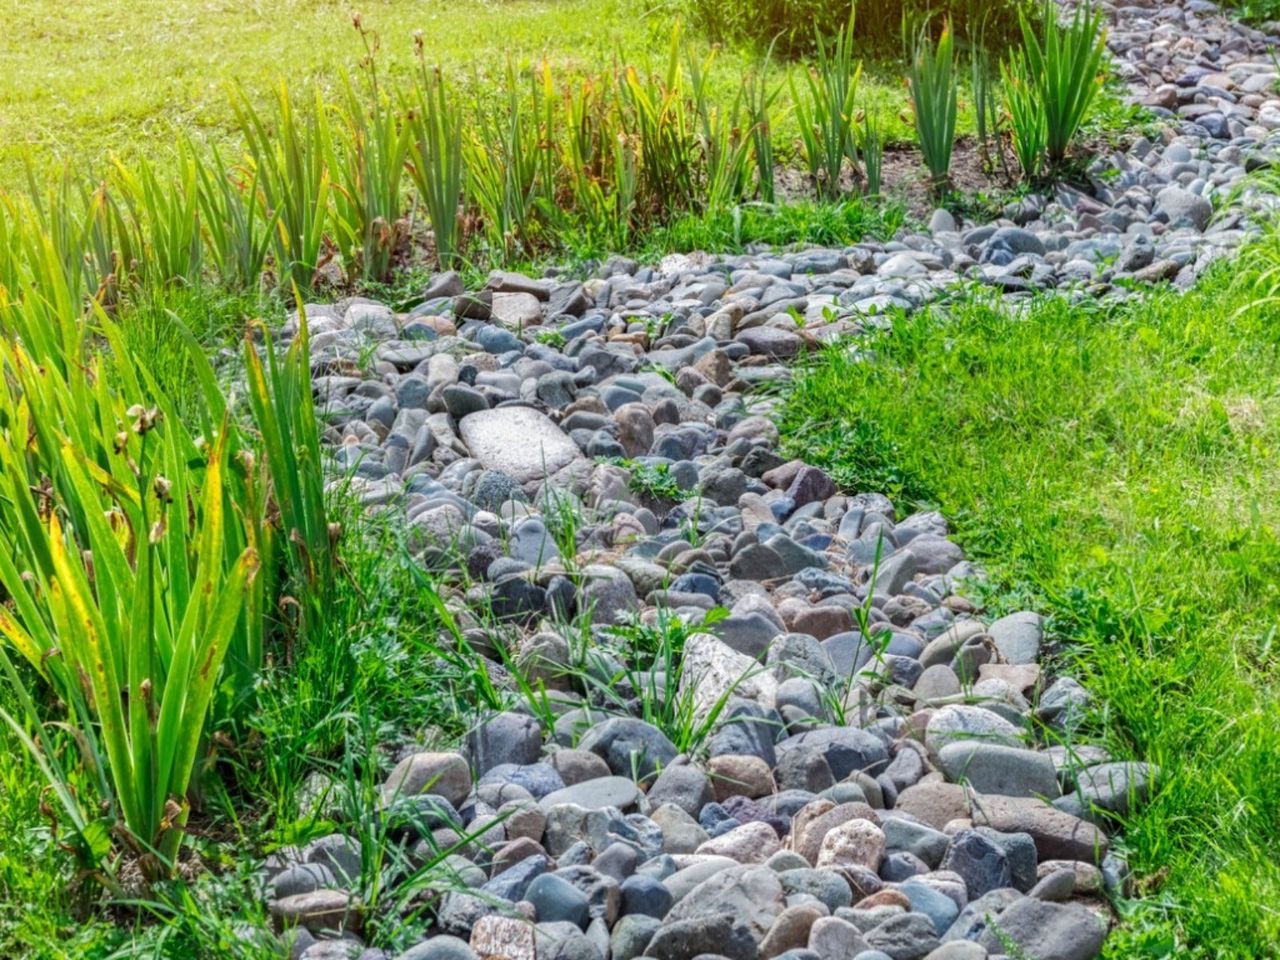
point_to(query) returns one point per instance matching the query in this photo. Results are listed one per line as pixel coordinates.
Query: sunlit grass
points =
(1117, 468)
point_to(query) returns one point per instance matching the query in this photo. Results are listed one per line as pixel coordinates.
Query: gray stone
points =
(631, 936)
(1018, 636)
(619, 792)
(683, 785)
(1115, 787)
(752, 895)
(445, 774)
(1047, 931)
(629, 746)
(719, 934)
(845, 749)
(441, 947)
(995, 768)
(1182, 205)
(556, 899)
(906, 936)
(979, 861)
(958, 722)
(506, 738)
(832, 938)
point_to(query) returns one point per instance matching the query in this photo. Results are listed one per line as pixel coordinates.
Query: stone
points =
(505, 738)
(629, 746)
(739, 775)
(301, 878)
(681, 833)
(719, 934)
(752, 895)
(516, 310)
(1115, 787)
(1046, 931)
(936, 803)
(753, 842)
(645, 895)
(319, 910)
(1018, 636)
(791, 930)
(443, 774)
(683, 785)
(903, 834)
(555, 899)
(608, 593)
(857, 843)
(832, 938)
(597, 794)
(578, 766)
(1181, 205)
(828, 886)
(518, 441)
(845, 749)
(1057, 835)
(979, 861)
(932, 902)
(631, 935)
(713, 671)
(996, 768)
(810, 826)
(504, 938)
(904, 936)
(441, 947)
(959, 721)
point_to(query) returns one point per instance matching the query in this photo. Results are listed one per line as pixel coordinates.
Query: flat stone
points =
(519, 441)
(620, 792)
(996, 768)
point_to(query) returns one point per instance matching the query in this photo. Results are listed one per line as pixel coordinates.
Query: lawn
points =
(1111, 464)
(1115, 466)
(95, 80)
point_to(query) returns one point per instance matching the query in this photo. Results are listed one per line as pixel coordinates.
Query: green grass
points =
(367, 681)
(1116, 467)
(101, 79)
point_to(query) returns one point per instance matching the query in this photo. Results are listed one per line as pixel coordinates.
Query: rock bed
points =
(885, 773)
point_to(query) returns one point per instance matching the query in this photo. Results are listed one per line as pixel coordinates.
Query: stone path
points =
(884, 773)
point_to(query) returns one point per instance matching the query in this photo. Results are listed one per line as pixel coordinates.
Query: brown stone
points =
(1058, 835)
(739, 775)
(791, 930)
(857, 843)
(935, 803)
(808, 834)
(884, 898)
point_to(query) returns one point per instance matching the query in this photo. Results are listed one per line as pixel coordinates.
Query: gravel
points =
(909, 782)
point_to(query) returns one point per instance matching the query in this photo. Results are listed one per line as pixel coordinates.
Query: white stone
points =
(519, 441)
(714, 671)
